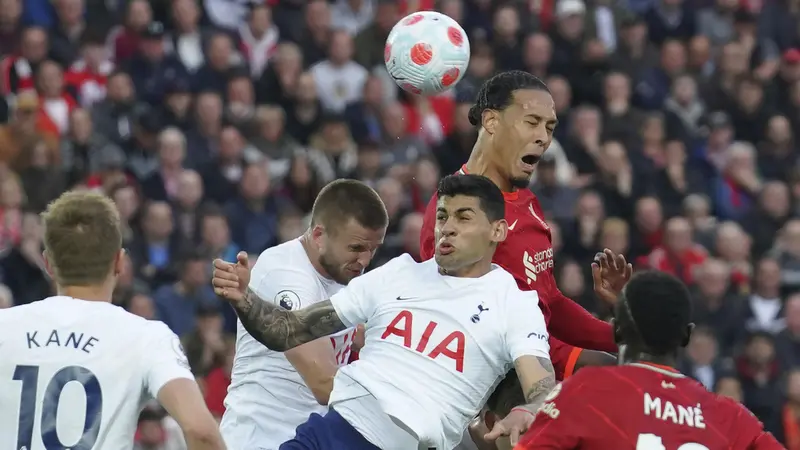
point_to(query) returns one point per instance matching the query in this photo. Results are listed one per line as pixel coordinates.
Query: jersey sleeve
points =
(279, 283)
(526, 332)
(426, 238)
(164, 359)
(574, 325)
(560, 421)
(749, 431)
(357, 302)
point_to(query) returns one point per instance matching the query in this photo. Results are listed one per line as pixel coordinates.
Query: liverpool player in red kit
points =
(645, 404)
(516, 116)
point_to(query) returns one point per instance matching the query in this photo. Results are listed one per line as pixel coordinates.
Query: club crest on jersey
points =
(287, 300)
(477, 317)
(533, 213)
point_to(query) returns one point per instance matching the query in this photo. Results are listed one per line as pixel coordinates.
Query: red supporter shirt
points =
(527, 254)
(642, 407)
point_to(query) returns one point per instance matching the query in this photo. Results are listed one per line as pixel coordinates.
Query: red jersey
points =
(527, 254)
(642, 407)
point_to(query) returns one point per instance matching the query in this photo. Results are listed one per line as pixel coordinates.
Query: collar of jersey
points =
(509, 196)
(658, 367)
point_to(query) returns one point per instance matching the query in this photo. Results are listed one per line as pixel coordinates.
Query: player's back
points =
(641, 407)
(75, 373)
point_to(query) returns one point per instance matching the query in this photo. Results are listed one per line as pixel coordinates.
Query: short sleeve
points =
(285, 286)
(526, 332)
(357, 302)
(164, 358)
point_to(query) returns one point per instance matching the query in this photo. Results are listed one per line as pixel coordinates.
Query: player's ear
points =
(499, 230)
(119, 262)
(688, 336)
(318, 234)
(489, 418)
(489, 120)
(47, 266)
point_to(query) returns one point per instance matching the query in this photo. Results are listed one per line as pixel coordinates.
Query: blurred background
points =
(214, 123)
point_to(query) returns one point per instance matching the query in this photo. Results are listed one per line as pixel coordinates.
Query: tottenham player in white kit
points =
(439, 335)
(271, 393)
(75, 370)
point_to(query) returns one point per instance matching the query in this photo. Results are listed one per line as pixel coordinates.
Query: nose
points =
(364, 258)
(448, 228)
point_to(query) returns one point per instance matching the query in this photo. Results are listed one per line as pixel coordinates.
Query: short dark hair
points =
(345, 199)
(655, 312)
(489, 195)
(507, 395)
(498, 92)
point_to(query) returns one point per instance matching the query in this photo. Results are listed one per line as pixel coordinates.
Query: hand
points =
(230, 280)
(513, 425)
(610, 273)
(358, 338)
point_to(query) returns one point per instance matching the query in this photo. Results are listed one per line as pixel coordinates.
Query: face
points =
(521, 133)
(464, 234)
(345, 252)
(127, 202)
(216, 233)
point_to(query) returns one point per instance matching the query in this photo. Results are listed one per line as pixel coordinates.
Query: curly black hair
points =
(497, 92)
(655, 312)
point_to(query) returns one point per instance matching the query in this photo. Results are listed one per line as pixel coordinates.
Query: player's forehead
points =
(458, 203)
(536, 102)
(352, 233)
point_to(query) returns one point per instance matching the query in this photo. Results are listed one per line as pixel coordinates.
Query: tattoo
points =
(280, 329)
(538, 392)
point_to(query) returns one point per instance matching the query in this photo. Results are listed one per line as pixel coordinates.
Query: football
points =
(427, 53)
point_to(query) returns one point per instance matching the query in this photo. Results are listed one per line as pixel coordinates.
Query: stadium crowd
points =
(213, 125)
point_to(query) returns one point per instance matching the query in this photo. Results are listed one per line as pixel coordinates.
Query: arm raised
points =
(281, 330)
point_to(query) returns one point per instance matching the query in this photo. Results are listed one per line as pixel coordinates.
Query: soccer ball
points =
(427, 53)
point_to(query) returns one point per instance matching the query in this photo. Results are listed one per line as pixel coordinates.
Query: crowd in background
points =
(213, 124)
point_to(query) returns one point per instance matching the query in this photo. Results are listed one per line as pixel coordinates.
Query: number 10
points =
(29, 376)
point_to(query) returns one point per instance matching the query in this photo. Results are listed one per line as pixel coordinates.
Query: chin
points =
(521, 182)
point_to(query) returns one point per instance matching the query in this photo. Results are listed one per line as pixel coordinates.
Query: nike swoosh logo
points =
(511, 227)
(404, 298)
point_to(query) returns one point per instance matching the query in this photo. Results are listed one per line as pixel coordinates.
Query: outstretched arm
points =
(281, 330)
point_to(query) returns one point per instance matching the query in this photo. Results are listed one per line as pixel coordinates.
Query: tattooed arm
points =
(537, 378)
(280, 329)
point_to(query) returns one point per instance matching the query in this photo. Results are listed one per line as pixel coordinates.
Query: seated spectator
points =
(26, 128)
(179, 304)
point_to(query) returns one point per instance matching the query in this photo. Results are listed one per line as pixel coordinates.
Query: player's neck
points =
(88, 293)
(646, 358)
(476, 270)
(480, 163)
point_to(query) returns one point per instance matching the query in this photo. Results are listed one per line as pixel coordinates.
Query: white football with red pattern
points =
(427, 53)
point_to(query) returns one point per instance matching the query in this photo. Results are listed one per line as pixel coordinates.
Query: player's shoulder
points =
(406, 264)
(284, 259)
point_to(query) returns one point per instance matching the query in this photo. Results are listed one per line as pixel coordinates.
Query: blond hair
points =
(82, 238)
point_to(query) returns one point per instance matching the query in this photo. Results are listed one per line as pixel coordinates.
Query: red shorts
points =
(563, 357)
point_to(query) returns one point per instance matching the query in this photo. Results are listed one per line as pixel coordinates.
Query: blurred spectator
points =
(702, 360)
(179, 304)
(213, 125)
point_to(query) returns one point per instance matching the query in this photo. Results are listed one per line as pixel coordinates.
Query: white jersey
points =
(436, 346)
(76, 374)
(267, 398)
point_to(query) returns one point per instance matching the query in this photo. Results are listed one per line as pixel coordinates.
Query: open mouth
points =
(530, 159)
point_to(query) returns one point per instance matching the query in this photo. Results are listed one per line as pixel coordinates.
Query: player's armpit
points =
(537, 378)
(183, 401)
(571, 323)
(279, 329)
(316, 363)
